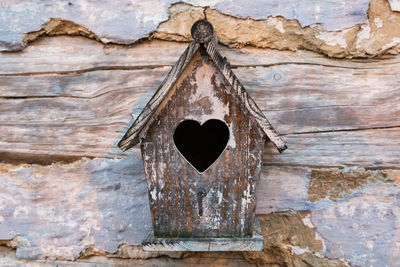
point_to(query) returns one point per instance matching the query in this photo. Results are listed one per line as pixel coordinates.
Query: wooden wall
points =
(67, 192)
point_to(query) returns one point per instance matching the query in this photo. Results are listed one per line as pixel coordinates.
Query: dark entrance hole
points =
(201, 145)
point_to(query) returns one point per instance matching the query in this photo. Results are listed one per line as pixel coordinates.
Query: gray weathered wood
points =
(74, 54)
(134, 133)
(374, 148)
(227, 207)
(253, 243)
(244, 97)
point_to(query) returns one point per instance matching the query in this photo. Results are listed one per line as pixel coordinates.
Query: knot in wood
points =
(202, 31)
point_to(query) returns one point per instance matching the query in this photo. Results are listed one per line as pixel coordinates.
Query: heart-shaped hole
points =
(201, 145)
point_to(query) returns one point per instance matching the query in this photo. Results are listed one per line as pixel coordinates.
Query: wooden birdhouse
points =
(202, 140)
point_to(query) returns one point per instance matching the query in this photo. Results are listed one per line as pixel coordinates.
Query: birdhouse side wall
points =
(227, 207)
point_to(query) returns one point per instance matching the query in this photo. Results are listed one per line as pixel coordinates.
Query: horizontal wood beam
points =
(330, 112)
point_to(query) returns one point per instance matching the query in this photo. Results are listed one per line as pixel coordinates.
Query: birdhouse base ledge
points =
(254, 243)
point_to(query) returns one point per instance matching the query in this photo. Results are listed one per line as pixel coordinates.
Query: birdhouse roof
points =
(203, 36)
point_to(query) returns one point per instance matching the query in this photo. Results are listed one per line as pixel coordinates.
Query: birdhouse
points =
(202, 137)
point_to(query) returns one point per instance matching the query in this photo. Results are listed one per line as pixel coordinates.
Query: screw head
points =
(202, 31)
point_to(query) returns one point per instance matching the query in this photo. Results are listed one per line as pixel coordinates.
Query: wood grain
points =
(78, 54)
(255, 242)
(134, 133)
(318, 104)
(377, 148)
(220, 202)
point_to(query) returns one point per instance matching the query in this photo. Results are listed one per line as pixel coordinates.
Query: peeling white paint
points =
(205, 91)
(219, 196)
(246, 199)
(347, 210)
(352, 228)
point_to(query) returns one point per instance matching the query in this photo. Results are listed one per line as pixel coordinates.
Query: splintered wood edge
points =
(253, 243)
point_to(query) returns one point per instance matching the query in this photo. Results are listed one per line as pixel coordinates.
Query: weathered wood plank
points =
(378, 148)
(311, 98)
(251, 243)
(63, 54)
(70, 54)
(87, 85)
(84, 114)
(296, 98)
(282, 188)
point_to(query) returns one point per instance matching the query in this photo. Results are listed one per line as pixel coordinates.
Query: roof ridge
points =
(237, 86)
(203, 34)
(131, 137)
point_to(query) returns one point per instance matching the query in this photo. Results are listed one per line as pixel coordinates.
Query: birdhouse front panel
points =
(202, 153)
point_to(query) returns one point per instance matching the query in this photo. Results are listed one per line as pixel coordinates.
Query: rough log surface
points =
(85, 111)
(83, 220)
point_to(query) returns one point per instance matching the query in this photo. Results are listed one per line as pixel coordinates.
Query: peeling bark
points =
(378, 36)
(56, 27)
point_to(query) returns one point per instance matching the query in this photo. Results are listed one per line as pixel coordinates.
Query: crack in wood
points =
(74, 72)
(147, 67)
(342, 130)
